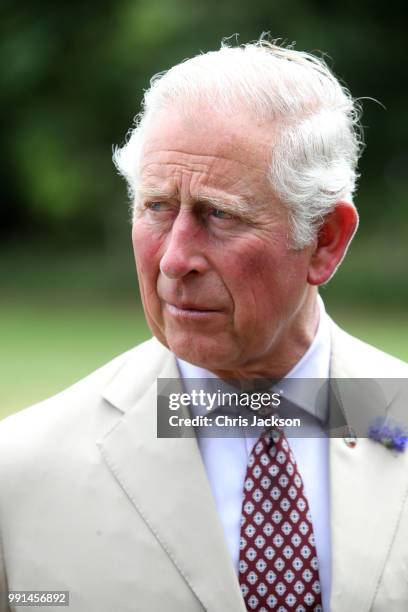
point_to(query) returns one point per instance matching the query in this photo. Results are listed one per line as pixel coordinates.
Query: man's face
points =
(220, 285)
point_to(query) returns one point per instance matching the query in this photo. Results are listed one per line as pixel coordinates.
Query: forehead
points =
(206, 148)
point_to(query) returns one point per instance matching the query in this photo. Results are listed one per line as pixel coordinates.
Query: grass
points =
(64, 315)
(43, 349)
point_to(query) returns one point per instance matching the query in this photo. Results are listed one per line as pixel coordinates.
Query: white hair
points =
(316, 140)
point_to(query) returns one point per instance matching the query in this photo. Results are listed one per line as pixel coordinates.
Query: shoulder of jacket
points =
(357, 359)
(29, 432)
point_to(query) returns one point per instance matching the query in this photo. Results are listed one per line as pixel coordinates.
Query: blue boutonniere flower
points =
(389, 434)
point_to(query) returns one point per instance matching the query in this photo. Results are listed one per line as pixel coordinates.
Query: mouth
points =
(189, 311)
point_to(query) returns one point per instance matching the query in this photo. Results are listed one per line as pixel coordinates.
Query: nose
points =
(184, 248)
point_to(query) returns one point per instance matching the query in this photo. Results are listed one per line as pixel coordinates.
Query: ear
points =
(332, 242)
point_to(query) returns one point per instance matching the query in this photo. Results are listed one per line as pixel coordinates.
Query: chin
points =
(203, 352)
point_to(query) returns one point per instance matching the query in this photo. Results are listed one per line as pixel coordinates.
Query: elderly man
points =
(241, 168)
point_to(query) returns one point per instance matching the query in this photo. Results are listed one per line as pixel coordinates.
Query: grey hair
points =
(317, 138)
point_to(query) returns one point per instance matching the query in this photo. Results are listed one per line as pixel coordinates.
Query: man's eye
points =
(220, 214)
(156, 206)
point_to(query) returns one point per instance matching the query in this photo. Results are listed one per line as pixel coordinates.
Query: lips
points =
(183, 303)
(190, 312)
(191, 306)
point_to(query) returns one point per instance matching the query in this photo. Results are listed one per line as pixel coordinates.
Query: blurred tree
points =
(73, 74)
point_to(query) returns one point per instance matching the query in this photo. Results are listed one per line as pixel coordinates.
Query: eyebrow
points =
(143, 191)
(230, 203)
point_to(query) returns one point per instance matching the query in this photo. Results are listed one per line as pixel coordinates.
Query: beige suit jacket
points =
(93, 503)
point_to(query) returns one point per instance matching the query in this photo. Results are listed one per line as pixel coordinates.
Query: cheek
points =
(251, 270)
(146, 246)
(263, 278)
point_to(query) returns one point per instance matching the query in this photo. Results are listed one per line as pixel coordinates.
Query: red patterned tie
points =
(278, 567)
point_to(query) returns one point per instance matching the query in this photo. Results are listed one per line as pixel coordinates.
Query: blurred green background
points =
(72, 77)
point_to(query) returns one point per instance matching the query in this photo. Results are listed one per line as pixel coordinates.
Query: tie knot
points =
(272, 436)
(259, 396)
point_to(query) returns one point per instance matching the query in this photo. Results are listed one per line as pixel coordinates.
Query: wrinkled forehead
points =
(205, 132)
(209, 158)
(186, 161)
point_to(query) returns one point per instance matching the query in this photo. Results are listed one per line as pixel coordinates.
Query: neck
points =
(289, 346)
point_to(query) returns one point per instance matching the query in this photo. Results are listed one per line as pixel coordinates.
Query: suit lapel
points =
(166, 481)
(368, 486)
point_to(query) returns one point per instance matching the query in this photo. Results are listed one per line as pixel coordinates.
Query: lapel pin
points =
(351, 439)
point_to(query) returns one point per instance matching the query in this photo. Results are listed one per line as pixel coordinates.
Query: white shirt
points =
(225, 459)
